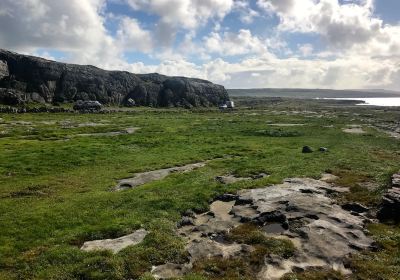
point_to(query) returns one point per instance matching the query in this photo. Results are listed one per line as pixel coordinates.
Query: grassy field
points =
(55, 183)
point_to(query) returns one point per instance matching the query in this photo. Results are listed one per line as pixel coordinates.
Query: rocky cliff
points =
(33, 79)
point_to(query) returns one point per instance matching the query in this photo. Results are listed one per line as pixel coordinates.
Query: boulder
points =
(307, 150)
(185, 221)
(130, 102)
(60, 82)
(87, 106)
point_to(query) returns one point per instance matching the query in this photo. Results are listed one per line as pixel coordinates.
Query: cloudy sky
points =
(240, 44)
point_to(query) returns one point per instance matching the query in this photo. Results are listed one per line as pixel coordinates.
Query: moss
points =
(315, 274)
(383, 264)
(224, 269)
(279, 132)
(160, 246)
(250, 234)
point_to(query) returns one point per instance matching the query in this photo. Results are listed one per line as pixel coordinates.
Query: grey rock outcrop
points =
(29, 77)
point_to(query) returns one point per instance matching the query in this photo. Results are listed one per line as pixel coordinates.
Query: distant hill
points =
(312, 93)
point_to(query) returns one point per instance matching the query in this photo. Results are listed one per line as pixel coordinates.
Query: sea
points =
(374, 101)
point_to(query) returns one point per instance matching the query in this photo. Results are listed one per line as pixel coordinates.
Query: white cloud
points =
(350, 27)
(306, 49)
(67, 25)
(231, 44)
(188, 14)
(131, 36)
(246, 13)
(182, 14)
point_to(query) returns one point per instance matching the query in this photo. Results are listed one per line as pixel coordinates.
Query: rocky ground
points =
(61, 216)
(300, 212)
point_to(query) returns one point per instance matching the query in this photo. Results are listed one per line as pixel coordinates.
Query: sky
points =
(339, 44)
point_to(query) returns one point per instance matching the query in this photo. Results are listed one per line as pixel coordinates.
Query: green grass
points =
(54, 186)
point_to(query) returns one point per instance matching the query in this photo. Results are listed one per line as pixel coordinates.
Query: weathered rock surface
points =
(3, 69)
(169, 270)
(32, 78)
(149, 176)
(390, 207)
(300, 210)
(117, 244)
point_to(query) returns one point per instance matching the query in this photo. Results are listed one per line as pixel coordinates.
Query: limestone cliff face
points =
(36, 79)
(3, 69)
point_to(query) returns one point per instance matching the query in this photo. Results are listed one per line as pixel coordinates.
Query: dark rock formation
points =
(390, 206)
(40, 80)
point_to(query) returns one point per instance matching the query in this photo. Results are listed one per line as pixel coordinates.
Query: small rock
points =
(189, 213)
(307, 150)
(130, 102)
(185, 221)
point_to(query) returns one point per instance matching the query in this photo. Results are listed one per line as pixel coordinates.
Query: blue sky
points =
(237, 43)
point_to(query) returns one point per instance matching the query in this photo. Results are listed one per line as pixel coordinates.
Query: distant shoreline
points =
(313, 93)
(371, 101)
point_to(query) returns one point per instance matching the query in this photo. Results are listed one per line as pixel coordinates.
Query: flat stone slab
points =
(353, 129)
(129, 130)
(117, 244)
(150, 176)
(286, 124)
